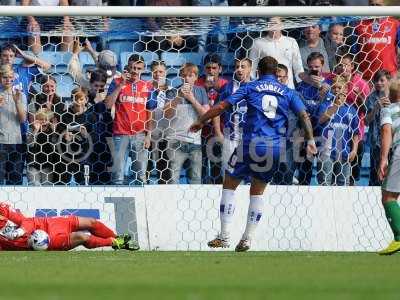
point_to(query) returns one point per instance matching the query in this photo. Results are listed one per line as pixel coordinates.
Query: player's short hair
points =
(246, 59)
(314, 56)
(394, 89)
(7, 47)
(381, 73)
(135, 58)
(283, 67)
(5, 70)
(188, 68)
(212, 58)
(157, 63)
(267, 65)
(334, 25)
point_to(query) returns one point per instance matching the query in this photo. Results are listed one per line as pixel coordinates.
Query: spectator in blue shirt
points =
(233, 118)
(313, 96)
(340, 136)
(160, 94)
(375, 101)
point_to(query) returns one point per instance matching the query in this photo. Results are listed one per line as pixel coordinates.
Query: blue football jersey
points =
(268, 105)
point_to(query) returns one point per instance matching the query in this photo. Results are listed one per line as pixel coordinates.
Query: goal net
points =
(127, 158)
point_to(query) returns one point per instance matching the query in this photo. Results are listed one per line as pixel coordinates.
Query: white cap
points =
(107, 60)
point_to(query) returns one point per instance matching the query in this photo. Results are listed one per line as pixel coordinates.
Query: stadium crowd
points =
(127, 122)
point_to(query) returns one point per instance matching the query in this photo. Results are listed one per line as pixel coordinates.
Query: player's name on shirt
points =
(267, 87)
(132, 99)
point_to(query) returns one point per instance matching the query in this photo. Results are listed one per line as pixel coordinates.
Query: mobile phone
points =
(74, 127)
(313, 72)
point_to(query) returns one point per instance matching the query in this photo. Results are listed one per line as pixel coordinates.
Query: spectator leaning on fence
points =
(375, 102)
(313, 95)
(340, 136)
(131, 136)
(12, 115)
(233, 118)
(357, 92)
(161, 93)
(211, 133)
(314, 43)
(191, 102)
(284, 49)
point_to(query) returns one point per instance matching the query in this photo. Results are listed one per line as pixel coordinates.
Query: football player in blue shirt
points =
(258, 155)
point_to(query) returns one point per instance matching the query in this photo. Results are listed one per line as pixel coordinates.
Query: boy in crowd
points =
(190, 103)
(340, 136)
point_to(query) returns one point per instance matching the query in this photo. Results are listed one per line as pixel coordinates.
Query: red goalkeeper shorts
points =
(59, 230)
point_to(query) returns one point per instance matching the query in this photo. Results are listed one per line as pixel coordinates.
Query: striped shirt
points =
(391, 115)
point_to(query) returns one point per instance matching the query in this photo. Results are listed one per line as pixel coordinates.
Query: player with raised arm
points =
(258, 156)
(389, 171)
(65, 233)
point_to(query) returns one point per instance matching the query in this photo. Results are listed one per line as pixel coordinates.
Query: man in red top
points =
(378, 40)
(212, 133)
(131, 136)
(64, 232)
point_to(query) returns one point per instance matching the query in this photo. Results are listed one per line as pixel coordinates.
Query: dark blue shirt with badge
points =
(268, 105)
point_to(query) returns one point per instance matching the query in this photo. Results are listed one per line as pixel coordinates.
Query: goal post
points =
(166, 205)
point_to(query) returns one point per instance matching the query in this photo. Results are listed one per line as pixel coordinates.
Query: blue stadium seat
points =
(86, 59)
(147, 76)
(120, 46)
(174, 81)
(148, 57)
(65, 85)
(178, 59)
(172, 71)
(228, 59)
(58, 60)
(228, 62)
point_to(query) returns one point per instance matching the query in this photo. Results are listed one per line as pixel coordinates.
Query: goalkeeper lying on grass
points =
(64, 232)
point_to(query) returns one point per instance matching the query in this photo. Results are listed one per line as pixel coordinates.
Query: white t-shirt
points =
(285, 50)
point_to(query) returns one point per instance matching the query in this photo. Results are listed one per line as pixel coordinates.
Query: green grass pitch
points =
(198, 275)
